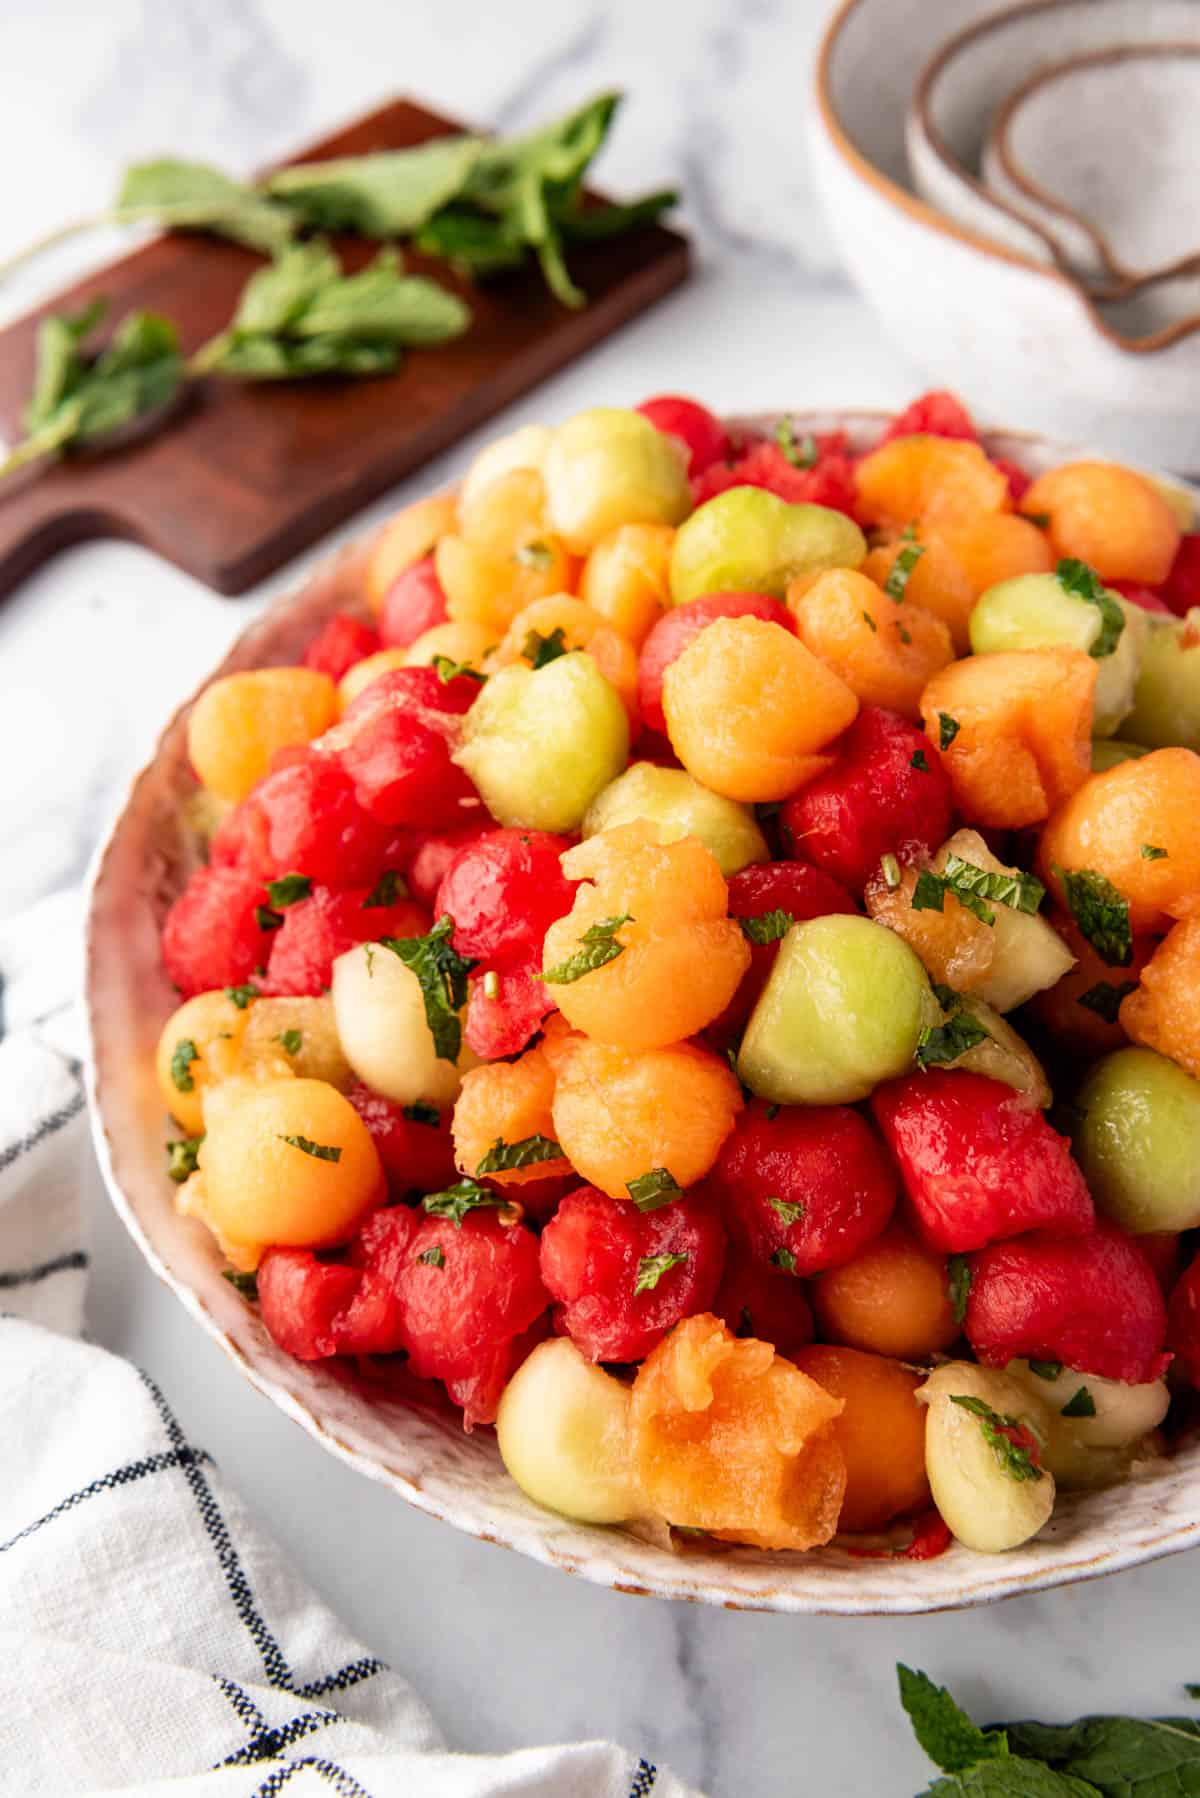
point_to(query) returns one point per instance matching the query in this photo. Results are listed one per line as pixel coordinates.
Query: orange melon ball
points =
(409, 537)
(727, 1436)
(929, 478)
(582, 628)
(1164, 1011)
(1152, 803)
(885, 652)
(996, 546)
(748, 707)
(892, 1299)
(880, 1431)
(1024, 728)
(620, 1114)
(238, 723)
(627, 578)
(359, 676)
(935, 582)
(458, 640)
(200, 1045)
(682, 957)
(503, 557)
(284, 1163)
(1110, 517)
(509, 1102)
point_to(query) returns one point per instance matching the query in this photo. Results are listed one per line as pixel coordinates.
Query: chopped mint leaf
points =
(940, 1044)
(266, 919)
(948, 729)
(1007, 1437)
(442, 975)
(288, 889)
(597, 946)
(1152, 853)
(901, 572)
(800, 455)
(539, 650)
(1080, 1404)
(387, 889)
(434, 1257)
(785, 1259)
(958, 1285)
(246, 1284)
(502, 1156)
(421, 1113)
(791, 1211)
(650, 1192)
(181, 1158)
(651, 1269)
(767, 926)
(241, 996)
(290, 1041)
(919, 761)
(183, 1055)
(1084, 583)
(464, 1196)
(1046, 1370)
(1101, 914)
(1105, 999)
(320, 1151)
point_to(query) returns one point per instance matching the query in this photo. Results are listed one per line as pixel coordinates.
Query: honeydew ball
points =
(563, 1434)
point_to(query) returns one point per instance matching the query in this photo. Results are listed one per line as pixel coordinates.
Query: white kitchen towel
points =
(153, 1642)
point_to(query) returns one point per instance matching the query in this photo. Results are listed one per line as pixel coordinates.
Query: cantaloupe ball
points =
(892, 1299)
(627, 578)
(238, 723)
(681, 957)
(1107, 826)
(407, 538)
(505, 555)
(1163, 1012)
(200, 1045)
(285, 1163)
(509, 1102)
(880, 1431)
(1109, 517)
(932, 478)
(384, 1030)
(748, 708)
(620, 1115)
(581, 628)
(729, 1437)
(884, 652)
(359, 676)
(294, 1036)
(563, 1434)
(936, 580)
(459, 639)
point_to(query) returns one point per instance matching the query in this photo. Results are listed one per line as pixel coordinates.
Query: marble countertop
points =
(98, 647)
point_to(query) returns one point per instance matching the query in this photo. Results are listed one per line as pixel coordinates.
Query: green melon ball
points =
(747, 540)
(1166, 700)
(1138, 1141)
(681, 807)
(843, 1010)
(1110, 752)
(609, 467)
(540, 744)
(1036, 611)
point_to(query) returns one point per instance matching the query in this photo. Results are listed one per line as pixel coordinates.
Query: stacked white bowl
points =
(1014, 190)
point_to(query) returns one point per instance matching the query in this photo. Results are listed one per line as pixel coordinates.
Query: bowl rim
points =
(603, 1559)
(1000, 138)
(1149, 344)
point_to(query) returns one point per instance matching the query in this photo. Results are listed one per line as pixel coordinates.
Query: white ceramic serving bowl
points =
(419, 1450)
(1100, 151)
(964, 85)
(1011, 334)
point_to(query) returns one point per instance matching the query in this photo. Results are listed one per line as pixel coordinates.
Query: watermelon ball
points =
(342, 642)
(699, 430)
(1181, 589)
(756, 894)
(828, 482)
(1091, 1302)
(622, 1277)
(466, 1291)
(213, 935)
(304, 818)
(428, 854)
(324, 924)
(757, 1300)
(505, 1007)
(413, 604)
(504, 890)
(413, 1141)
(935, 414)
(313, 1309)
(804, 1187)
(1183, 1325)
(886, 792)
(977, 1162)
(397, 741)
(668, 639)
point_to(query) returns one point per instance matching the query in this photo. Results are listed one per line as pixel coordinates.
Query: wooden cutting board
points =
(246, 476)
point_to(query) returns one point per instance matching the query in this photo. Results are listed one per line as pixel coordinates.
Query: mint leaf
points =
(320, 1151)
(503, 1156)
(920, 761)
(901, 570)
(183, 1055)
(448, 670)
(288, 890)
(940, 1044)
(651, 1269)
(421, 1113)
(767, 926)
(1105, 999)
(442, 975)
(539, 650)
(241, 996)
(948, 729)
(650, 1192)
(1084, 583)
(193, 196)
(1046, 1370)
(929, 894)
(784, 1258)
(791, 1211)
(534, 555)
(182, 1158)
(1119, 1757)
(1011, 1778)
(1006, 1436)
(1101, 914)
(972, 886)
(1081, 1404)
(434, 1257)
(266, 919)
(597, 946)
(958, 1285)
(464, 1196)
(800, 455)
(595, 222)
(290, 1041)
(387, 889)
(246, 1284)
(944, 1731)
(1152, 853)
(390, 193)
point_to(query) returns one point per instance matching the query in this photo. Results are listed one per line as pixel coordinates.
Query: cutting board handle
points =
(36, 520)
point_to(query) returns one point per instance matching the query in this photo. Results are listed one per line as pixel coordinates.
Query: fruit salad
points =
(699, 969)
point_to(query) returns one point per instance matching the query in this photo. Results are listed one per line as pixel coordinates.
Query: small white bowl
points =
(417, 1448)
(1100, 150)
(1012, 334)
(961, 89)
